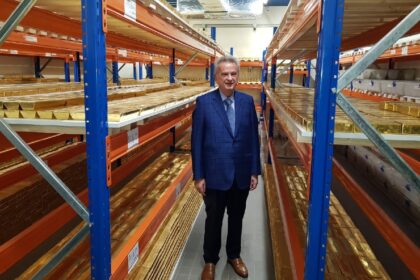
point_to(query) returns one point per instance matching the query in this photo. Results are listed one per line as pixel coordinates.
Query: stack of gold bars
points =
(128, 207)
(123, 103)
(348, 254)
(298, 103)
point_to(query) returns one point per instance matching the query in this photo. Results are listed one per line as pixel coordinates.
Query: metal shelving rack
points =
(101, 24)
(323, 29)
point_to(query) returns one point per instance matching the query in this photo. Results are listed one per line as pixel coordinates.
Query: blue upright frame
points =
(273, 72)
(76, 67)
(308, 78)
(263, 79)
(66, 71)
(291, 74)
(37, 67)
(94, 54)
(115, 75)
(172, 68)
(323, 137)
(149, 70)
(231, 51)
(207, 73)
(213, 36)
(140, 71)
(135, 70)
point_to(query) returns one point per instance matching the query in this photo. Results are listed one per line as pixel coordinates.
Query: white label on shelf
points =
(32, 39)
(133, 257)
(133, 137)
(130, 9)
(178, 189)
(122, 53)
(13, 52)
(393, 51)
(404, 50)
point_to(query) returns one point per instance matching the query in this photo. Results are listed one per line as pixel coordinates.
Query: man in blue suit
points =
(226, 162)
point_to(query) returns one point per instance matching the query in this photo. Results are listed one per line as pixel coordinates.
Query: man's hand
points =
(200, 185)
(254, 182)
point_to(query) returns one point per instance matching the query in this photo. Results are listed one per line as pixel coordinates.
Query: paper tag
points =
(178, 189)
(123, 53)
(31, 39)
(130, 9)
(13, 52)
(404, 50)
(133, 138)
(393, 51)
(133, 257)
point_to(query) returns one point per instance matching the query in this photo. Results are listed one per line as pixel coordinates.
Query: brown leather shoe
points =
(239, 266)
(208, 271)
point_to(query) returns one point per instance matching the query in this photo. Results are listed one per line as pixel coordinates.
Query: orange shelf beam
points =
(359, 95)
(151, 22)
(242, 86)
(255, 63)
(294, 245)
(15, 175)
(408, 51)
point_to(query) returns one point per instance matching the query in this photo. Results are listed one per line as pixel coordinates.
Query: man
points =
(226, 162)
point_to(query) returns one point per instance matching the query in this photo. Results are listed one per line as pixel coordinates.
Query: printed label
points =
(404, 50)
(133, 138)
(123, 53)
(130, 9)
(31, 39)
(133, 257)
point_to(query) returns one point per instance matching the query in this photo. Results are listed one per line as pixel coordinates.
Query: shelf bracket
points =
(186, 63)
(18, 14)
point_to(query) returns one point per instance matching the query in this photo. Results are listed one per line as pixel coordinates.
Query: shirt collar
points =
(224, 97)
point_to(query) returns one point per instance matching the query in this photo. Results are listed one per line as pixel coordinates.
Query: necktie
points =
(230, 113)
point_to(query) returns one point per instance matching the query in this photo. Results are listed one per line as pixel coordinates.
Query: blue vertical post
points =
(172, 68)
(140, 71)
(135, 71)
(76, 67)
(213, 33)
(207, 73)
(263, 97)
(274, 30)
(231, 51)
(115, 76)
(37, 67)
(213, 36)
(291, 74)
(212, 83)
(150, 70)
(94, 54)
(323, 137)
(308, 78)
(273, 72)
(66, 71)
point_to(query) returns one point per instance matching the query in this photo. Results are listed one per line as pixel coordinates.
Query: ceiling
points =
(204, 9)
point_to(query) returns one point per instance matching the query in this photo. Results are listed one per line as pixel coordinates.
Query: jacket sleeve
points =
(197, 138)
(256, 162)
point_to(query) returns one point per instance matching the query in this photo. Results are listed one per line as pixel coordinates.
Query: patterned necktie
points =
(230, 113)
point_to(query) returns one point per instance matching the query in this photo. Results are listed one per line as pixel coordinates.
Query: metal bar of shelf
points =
(94, 61)
(18, 14)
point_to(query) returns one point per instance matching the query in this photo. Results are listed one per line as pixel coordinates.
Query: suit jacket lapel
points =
(220, 109)
(238, 111)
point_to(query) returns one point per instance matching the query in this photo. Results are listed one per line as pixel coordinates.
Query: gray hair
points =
(228, 59)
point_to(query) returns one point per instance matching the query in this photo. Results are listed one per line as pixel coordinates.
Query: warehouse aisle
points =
(256, 245)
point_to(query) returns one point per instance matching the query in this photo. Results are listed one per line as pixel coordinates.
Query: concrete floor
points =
(256, 245)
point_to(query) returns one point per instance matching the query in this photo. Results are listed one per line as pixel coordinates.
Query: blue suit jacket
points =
(220, 155)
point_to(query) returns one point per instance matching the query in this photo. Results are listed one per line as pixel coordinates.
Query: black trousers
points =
(216, 201)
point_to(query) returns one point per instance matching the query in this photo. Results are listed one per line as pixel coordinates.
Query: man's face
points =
(227, 77)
